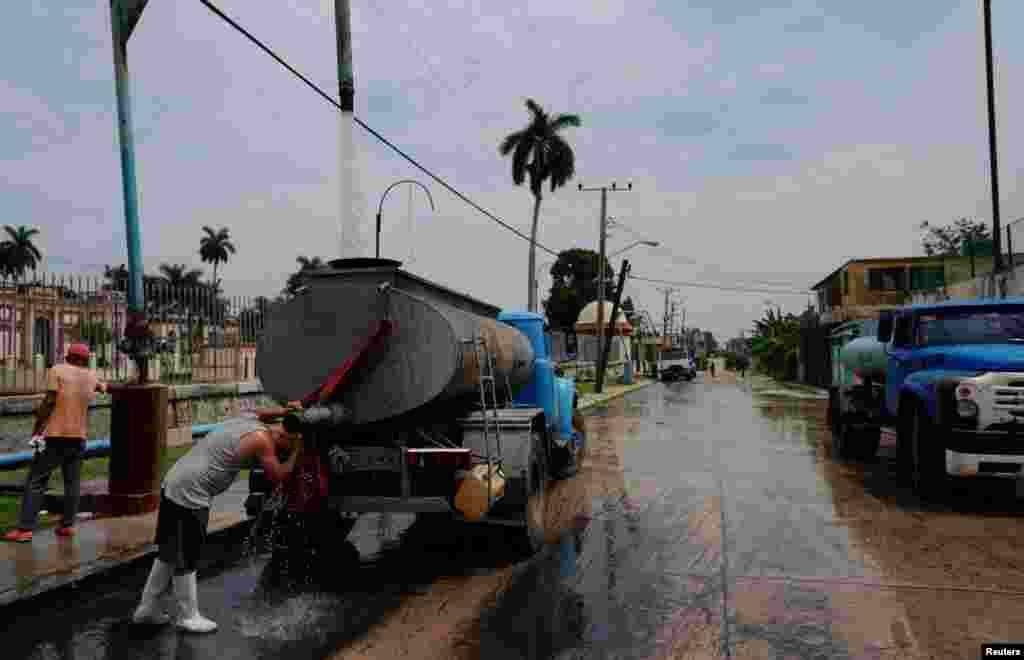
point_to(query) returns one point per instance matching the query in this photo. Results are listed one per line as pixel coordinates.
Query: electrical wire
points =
(690, 260)
(220, 14)
(213, 8)
(721, 287)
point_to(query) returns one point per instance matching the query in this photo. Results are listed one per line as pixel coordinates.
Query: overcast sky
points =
(767, 141)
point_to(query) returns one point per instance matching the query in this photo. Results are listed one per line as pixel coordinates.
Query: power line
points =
(689, 260)
(703, 285)
(213, 8)
(227, 19)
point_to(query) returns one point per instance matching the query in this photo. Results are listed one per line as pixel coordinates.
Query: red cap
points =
(79, 350)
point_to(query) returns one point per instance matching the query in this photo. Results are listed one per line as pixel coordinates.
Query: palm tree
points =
(540, 152)
(19, 251)
(216, 248)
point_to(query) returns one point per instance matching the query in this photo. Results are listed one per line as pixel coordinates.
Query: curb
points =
(603, 398)
(93, 579)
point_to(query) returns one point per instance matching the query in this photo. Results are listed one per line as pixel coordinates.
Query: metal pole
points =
(993, 163)
(346, 99)
(1009, 248)
(136, 302)
(603, 356)
(603, 229)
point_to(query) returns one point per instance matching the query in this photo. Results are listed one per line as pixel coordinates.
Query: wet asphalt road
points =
(705, 522)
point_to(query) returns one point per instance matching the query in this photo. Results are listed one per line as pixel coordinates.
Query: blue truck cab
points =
(555, 394)
(954, 388)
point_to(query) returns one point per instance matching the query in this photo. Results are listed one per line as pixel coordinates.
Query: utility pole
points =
(607, 345)
(667, 292)
(672, 331)
(603, 232)
(994, 169)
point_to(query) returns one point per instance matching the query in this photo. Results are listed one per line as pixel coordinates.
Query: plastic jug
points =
(471, 497)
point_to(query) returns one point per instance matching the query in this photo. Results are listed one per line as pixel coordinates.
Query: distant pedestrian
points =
(207, 470)
(711, 366)
(61, 428)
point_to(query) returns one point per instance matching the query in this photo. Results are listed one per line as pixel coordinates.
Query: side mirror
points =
(885, 321)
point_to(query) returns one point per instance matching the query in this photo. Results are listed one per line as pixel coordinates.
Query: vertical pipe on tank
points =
(349, 230)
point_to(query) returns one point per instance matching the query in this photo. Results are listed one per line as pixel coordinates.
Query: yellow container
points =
(471, 497)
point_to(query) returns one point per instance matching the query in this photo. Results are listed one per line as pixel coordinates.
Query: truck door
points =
(899, 360)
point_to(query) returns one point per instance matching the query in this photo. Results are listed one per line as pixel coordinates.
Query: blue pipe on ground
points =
(93, 449)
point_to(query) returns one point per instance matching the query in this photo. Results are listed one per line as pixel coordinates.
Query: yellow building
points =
(860, 288)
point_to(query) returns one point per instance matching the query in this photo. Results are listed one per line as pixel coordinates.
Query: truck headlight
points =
(966, 408)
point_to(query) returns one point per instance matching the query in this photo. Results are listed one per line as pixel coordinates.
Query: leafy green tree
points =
(19, 251)
(540, 153)
(574, 284)
(776, 343)
(216, 248)
(949, 240)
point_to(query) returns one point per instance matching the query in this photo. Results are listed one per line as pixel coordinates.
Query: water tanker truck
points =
(411, 391)
(943, 382)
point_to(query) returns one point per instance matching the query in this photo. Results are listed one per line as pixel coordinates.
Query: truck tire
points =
(566, 460)
(928, 459)
(844, 439)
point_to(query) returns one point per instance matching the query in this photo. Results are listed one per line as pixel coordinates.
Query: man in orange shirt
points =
(63, 417)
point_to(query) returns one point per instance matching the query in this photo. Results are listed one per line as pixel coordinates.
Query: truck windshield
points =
(673, 355)
(1003, 325)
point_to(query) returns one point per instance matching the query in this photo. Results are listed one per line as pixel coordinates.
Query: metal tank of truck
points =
(944, 383)
(412, 390)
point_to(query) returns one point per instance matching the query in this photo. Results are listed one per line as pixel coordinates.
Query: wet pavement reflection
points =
(704, 522)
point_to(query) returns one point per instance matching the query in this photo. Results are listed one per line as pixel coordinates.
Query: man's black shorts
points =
(180, 533)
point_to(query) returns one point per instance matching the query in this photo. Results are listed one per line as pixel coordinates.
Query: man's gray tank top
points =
(211, 466)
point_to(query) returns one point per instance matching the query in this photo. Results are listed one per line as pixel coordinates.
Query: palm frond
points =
(510, 142)
(565, 121)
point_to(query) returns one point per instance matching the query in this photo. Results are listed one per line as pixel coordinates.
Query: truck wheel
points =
(832, 416)
(843, 439)
(928, 470)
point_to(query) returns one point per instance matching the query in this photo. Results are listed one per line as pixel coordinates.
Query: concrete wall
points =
(986, 286)
(188, 405)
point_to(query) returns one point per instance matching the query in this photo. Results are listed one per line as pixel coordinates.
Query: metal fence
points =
(213, 337)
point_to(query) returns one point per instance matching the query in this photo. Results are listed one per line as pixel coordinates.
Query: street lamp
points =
(380, 207)
(633, 245)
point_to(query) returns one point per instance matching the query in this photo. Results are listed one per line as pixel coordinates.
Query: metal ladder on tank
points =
(486, 362)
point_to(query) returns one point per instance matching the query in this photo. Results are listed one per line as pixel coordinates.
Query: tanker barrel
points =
(327, 416)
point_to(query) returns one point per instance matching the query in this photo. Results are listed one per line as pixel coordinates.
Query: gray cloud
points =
(687, 124)
(807, 24)
(783, 96)
(761, 152)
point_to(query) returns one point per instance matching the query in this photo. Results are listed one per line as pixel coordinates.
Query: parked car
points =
(674, 364)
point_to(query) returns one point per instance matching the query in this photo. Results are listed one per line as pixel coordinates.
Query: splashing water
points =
(353, 218)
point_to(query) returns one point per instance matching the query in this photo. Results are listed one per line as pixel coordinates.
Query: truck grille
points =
(1009, 398)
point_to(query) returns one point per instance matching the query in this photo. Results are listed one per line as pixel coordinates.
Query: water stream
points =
(354, 221)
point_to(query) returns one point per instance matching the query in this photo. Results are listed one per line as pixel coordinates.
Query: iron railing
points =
(212, 337)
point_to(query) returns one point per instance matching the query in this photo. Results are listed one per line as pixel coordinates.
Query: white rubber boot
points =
(188, 601)
(159, 580)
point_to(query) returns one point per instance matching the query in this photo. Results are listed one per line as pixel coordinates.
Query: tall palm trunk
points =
(215, 273)
(532, 297)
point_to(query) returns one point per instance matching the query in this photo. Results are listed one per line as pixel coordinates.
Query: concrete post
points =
(138, 440)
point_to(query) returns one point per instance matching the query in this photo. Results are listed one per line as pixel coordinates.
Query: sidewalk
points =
(766, 386)
(49, 562)
(612, 392)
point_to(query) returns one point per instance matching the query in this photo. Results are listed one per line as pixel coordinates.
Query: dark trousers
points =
(67, 454)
